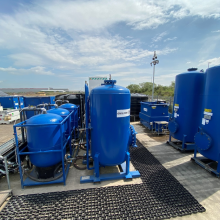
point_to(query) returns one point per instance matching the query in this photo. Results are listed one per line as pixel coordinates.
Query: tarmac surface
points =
(200, 183)
(6, 132)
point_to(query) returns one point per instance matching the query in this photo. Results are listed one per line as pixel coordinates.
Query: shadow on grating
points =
(160, 196)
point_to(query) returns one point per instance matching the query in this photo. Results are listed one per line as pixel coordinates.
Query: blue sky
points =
(62, 43)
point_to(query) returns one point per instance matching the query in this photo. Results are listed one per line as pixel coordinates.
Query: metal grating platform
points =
(160, 196)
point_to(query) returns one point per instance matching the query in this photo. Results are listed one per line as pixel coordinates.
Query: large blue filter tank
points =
(188, 95)
(59, 111)
(71, 107)
(44, 138)
(207, 139)
(110, 122)
(108, 131)
(63, 113)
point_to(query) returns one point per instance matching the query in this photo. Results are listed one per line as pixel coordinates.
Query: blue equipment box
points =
(9, 102)
(35, 100)
(153, 111)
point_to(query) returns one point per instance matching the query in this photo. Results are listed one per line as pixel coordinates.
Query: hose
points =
(76, 165)
(29, 164)
(82, 146)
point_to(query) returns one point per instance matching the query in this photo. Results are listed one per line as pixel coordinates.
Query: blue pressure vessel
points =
(44, 138)
(59, 111)
(74, 117)
(110, 123)
(188, 95)
(63, 113)
(207, 139)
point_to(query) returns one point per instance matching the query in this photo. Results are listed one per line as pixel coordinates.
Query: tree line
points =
(146, 88)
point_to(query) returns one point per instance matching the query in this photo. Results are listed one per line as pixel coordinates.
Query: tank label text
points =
(176, 106)
(208, 113)
(123, 113)
(145, 109)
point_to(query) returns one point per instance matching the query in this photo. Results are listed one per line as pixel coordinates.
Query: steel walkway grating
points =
(160, 196)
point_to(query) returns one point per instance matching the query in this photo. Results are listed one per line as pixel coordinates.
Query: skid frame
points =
(181, 145)
(97, 177)
(205, 163)
(28, 181)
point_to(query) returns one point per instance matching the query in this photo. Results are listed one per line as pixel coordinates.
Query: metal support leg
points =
(96, 171)
(184, 141)
(6, 172)
(128, 174)
(195, 152)
(218, 167)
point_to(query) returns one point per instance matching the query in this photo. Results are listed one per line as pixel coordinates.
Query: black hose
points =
(77, 166)
(29, 165)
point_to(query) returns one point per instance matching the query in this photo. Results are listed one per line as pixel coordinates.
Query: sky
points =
(59, 44)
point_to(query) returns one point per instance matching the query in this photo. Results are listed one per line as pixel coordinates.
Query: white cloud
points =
(212, 62)
(90, 15)
(71, 35)
(159, 36)
(34, 70)
(170, 39)
(216, 31)
(115, 67)
(188, 62)
(67, 34)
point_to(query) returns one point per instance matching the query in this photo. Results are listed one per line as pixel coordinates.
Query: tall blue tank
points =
(207, 139)
(110, 122)
(74, 117)
(188, 95)
(44, 138)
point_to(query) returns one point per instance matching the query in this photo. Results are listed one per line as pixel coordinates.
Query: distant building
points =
(34, 90)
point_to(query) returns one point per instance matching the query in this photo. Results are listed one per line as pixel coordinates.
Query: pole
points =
(153, 84)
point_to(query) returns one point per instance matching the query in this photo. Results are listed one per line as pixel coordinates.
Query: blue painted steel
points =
(59, 111)
(35, 100)
(21, 101)
(9, 102)
(63, 113)
(44, 139)
(43, 144)
(188, 94)
(110, 133)
(207, 139)
(75, 109)
(153, 111)
(108, 128)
